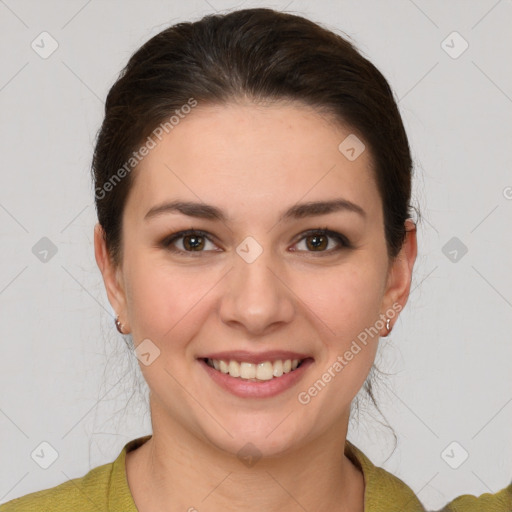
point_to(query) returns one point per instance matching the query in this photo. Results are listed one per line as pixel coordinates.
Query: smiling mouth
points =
(263, 371)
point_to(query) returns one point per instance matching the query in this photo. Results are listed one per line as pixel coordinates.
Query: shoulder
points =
(87, 493)
(384, 492)
(498, 502)
(104, 488)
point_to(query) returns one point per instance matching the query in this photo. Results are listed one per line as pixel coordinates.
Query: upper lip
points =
(255, 358)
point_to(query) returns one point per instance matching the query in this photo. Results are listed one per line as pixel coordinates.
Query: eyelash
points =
(343, 242)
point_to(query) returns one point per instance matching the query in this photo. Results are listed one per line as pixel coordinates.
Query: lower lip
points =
(263, 389)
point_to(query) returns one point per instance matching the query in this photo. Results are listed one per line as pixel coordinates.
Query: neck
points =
(177, 468)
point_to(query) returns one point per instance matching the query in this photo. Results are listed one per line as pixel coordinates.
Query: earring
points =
(388, 326)
(119, 325)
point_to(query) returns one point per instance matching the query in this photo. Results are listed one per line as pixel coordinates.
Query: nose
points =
(257, 298)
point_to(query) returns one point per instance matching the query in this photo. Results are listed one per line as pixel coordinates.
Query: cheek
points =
(347, 303)
(164, 301)
(346, 299)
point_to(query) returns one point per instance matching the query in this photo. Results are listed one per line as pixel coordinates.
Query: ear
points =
(400, 274)
(112, 276)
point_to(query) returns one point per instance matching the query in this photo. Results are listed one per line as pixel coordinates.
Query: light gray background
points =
(65, 376)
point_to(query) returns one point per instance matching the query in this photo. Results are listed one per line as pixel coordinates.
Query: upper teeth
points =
(261, 371)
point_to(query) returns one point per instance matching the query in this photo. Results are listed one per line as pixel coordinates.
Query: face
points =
(258, 281)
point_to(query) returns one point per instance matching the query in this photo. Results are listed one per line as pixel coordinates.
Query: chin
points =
(251, 442)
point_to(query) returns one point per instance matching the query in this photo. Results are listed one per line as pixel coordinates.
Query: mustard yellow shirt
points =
(105, 489)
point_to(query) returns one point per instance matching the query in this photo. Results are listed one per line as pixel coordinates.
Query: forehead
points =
(261, 156)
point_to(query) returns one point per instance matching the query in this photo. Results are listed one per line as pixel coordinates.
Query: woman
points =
(252, 182)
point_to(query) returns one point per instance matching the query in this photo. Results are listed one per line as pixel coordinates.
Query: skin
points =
(252, 162)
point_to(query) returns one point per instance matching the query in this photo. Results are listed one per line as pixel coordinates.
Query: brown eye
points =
(323, 241)
(193, 242)
(189, 241)
(317, 242)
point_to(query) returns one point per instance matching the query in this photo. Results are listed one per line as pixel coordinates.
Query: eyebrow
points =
(298, 211)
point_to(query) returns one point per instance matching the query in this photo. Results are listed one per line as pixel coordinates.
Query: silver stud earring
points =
(119, 325)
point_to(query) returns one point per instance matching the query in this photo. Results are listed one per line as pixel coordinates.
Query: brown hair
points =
(262, 55)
